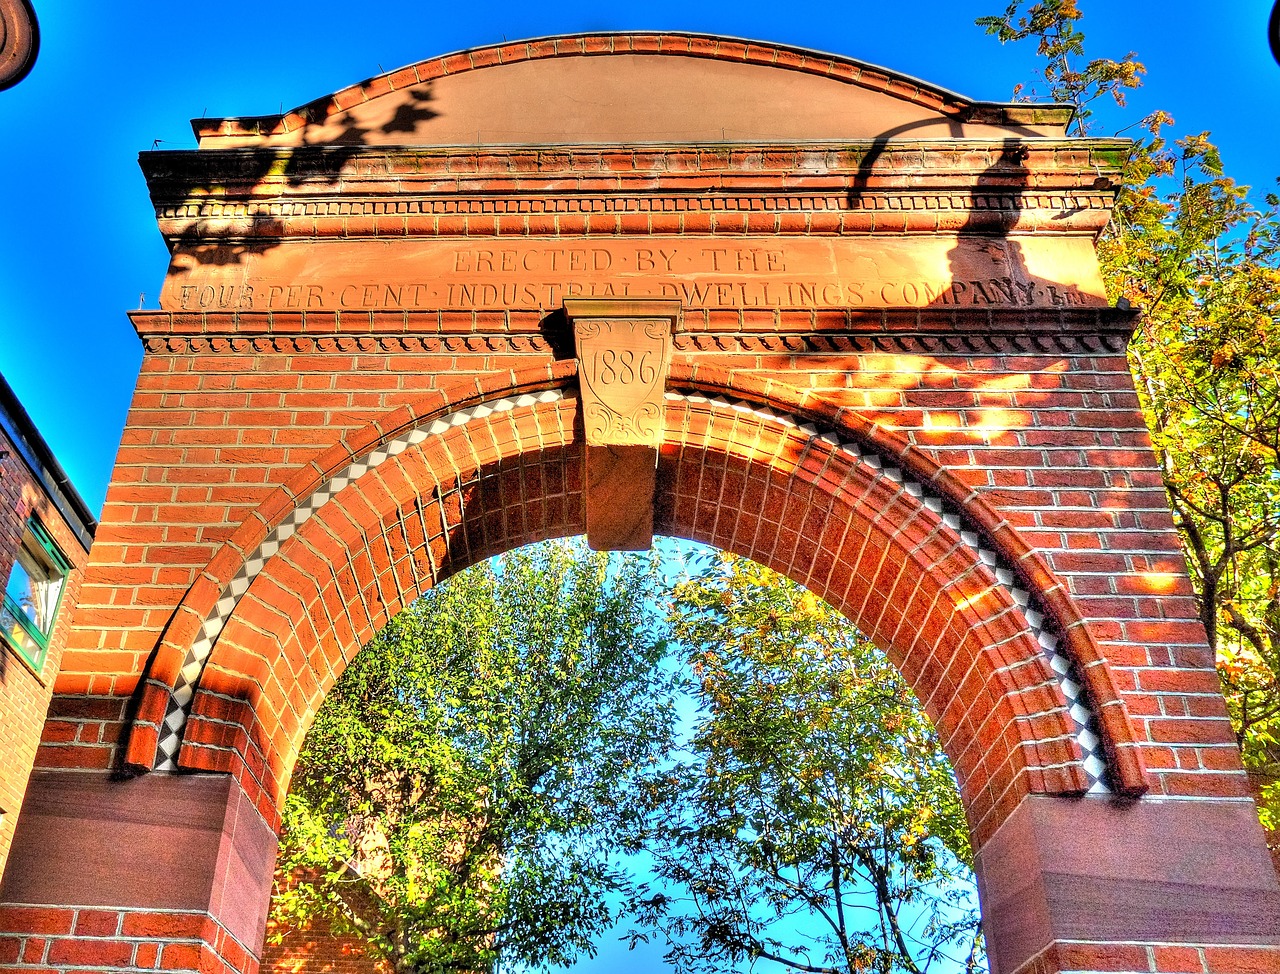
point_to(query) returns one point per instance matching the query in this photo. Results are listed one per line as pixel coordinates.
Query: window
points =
(33, 592)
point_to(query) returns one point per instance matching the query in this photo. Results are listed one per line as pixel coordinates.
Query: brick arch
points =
(369, 548)
(191, 621)
(167, 690)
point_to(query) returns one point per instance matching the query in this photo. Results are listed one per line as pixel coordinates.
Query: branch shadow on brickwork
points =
(987, 266)
(558, 334)
(1018, 287)
(253, 173)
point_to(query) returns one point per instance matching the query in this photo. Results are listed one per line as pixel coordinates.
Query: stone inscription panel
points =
(622, 366)
(700, 272)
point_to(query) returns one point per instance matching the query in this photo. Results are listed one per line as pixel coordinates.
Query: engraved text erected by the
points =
(697, 272)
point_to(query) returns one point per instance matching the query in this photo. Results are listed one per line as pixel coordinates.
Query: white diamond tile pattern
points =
(1039, 623)
(183, 693)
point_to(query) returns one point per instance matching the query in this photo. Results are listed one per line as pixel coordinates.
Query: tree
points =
(815, 823)
(461, 793)
(1201, 260)
(1052, 23)
(1207, 359)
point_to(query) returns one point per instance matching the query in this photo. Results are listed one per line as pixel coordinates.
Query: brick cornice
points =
(305, 169)
(928, 330)
(1054, 185)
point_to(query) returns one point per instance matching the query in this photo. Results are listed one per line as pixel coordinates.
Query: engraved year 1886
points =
(625, 365)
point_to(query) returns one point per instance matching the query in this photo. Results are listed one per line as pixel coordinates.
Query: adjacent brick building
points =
(45, 534)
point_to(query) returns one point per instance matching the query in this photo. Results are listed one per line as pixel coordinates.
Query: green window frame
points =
(33, 594)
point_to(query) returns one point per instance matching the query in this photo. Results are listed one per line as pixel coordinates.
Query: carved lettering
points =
(534, 275)
(1003, 288)
(771, 293)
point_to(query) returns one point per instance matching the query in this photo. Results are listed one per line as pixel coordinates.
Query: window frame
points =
(44, 540)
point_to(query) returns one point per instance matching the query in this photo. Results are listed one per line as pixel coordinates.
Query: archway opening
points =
(925, 571)
(553, 754)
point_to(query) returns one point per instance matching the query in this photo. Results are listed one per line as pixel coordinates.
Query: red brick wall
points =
(1170, 958)
(69, 939)
(1052, 444)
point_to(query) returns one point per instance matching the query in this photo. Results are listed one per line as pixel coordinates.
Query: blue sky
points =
(78, 243)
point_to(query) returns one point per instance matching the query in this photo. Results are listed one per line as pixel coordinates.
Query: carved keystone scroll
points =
(624, 350)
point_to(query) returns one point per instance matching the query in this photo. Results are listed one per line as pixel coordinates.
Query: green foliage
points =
(1201, 260)
(1205, 267)
(1053, 25)
(816, 823)
(462, 791)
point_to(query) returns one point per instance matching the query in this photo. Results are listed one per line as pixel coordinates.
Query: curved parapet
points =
(634, 88)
